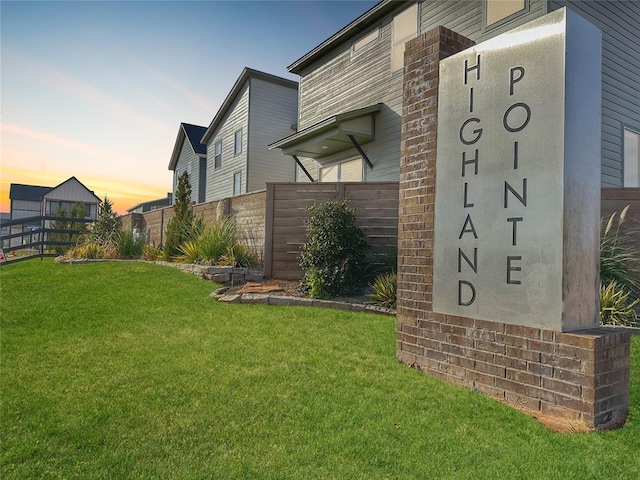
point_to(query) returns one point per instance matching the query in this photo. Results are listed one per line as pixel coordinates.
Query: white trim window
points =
(631, 172)
(217, 154)
(237, 142)
(349, 171)
(237, 183)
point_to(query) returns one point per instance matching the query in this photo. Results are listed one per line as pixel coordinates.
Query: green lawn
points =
(129, 370)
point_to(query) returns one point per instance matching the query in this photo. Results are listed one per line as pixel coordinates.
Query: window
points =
(403, 28)
(366, 40)
(217, 152)
(631, 170)
(237, 144)
(349, 171)
(67, 207)
(496, 10)
(237, 183)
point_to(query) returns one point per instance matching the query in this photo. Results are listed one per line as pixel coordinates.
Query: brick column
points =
(581, 377)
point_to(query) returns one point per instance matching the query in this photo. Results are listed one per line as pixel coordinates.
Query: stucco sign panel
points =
(506, 164)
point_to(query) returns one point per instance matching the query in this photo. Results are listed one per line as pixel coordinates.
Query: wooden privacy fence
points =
(376, 206)
(273, 220)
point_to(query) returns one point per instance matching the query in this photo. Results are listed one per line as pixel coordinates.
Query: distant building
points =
(189, 155)
(152, 204)
(259, 109)
(4, 230)
(29, 201)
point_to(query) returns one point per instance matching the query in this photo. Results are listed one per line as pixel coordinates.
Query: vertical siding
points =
(220, 182)
(25, 209)
(273, 109)
(74, 191)
(620, 25)
(187, 157)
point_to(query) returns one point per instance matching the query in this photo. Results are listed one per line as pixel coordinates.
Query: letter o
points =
(477, 131)
(505, 122)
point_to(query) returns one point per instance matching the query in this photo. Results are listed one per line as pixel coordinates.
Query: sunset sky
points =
(97, 90)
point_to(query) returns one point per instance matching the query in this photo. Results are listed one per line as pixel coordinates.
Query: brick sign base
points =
(581, 376)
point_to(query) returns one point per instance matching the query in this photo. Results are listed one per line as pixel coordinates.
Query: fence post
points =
(268, 231)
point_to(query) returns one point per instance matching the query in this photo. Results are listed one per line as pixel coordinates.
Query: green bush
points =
(334, 257)
(108, 225)
(128, 245)
(384, 290)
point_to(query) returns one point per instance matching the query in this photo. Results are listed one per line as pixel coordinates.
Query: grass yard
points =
(129, 370)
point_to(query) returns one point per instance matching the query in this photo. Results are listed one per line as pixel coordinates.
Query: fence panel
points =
(376, 207)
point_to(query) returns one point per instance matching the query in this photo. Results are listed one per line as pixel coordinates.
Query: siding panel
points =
(187, 161)
(273, 109)
(220, 182)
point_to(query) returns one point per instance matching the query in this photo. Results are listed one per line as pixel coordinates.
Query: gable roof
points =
(32, 193)
(246, 74)
(74, 179)
(359, 25)
(192, 133)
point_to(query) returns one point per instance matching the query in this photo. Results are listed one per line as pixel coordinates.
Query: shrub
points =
(619, 271)
(108, 225)
(616, 308)
(128, 245)
(181, 226)
(189, 251)
(216, 240)
(620, 253)
(239, 256)
(334, 257)
(385, 289)
(151, 252)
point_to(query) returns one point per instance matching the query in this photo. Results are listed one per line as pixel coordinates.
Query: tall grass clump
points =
(619, 270)
(218, 243)
(129, 246)
(384, 290)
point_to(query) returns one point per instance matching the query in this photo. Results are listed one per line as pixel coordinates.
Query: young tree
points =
(73, 230)
(108, 225)
(182, 225)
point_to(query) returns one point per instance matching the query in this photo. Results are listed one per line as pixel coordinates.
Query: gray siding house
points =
(259, 109)
(189, 155)
(350, 100)
(34, 200)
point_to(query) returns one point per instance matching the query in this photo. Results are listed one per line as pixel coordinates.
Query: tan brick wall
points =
(582, 376)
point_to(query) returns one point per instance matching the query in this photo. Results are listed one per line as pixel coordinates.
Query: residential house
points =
(4, 228)
(190, 155)
(259, 109)
(350, 99)
(152, 204)
(28, 201)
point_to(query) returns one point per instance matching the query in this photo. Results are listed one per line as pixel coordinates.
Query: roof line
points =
(246, 74)
(364, 21)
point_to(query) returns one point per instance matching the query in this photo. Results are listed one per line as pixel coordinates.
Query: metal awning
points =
(332, 135)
